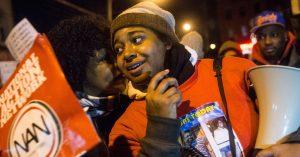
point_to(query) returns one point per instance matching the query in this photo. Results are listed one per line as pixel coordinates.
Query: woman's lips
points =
(135, 69)
(134, 66)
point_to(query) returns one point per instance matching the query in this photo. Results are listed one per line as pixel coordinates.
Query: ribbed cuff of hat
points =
(154, 22)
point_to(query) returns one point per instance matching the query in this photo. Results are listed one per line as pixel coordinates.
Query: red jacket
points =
(199, 89)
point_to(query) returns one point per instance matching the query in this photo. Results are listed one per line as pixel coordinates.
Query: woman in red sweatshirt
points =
(149, 55)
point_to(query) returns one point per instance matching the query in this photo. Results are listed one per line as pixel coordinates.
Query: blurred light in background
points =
(158, 2)
(253, 38)
(212, 46)
(187, 27)
(295, 7)
(246, 48)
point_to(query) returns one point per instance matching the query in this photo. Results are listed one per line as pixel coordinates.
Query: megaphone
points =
(278, 93)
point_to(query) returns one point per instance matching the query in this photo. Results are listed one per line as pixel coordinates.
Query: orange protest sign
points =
(39, 113)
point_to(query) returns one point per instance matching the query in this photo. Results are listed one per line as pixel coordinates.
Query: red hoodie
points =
(199, 89)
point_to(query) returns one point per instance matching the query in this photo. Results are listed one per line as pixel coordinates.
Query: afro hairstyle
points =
(74, 41)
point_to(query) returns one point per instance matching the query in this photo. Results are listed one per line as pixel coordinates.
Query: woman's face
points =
(230, 53)
(140, 53)
(103, 75)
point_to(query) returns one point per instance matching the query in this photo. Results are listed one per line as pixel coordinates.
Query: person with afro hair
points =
(82, 47)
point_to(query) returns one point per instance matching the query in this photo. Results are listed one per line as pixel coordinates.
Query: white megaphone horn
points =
(278, 92)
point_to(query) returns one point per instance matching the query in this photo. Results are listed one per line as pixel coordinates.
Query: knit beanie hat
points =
(146, 14)
(230, 45)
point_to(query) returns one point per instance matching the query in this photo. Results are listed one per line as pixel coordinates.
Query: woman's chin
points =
(141, 82)
(142, 78)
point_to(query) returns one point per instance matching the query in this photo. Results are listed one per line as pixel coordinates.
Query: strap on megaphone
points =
(251, 91)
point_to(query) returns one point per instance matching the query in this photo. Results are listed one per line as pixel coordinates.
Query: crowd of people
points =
(135, 78)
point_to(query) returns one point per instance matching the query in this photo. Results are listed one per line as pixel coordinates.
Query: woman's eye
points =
(119, 50)
(137, 40)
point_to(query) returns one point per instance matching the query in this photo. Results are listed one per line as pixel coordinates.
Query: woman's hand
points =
(281, 150)
(163, 96)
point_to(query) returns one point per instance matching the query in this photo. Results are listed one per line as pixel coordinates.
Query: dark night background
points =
(216, 20)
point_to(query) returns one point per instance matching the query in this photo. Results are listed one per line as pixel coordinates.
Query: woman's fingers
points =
(165, 84)
(171, 91)
(156, 80)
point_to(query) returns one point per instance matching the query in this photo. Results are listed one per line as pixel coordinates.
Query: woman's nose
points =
(129, 56)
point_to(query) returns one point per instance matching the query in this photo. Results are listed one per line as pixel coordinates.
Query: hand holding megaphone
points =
(277, 89)
(281, 150)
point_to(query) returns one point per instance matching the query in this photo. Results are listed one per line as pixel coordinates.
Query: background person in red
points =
(275, 45)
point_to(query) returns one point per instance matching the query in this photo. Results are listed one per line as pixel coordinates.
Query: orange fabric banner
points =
(39, 113)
